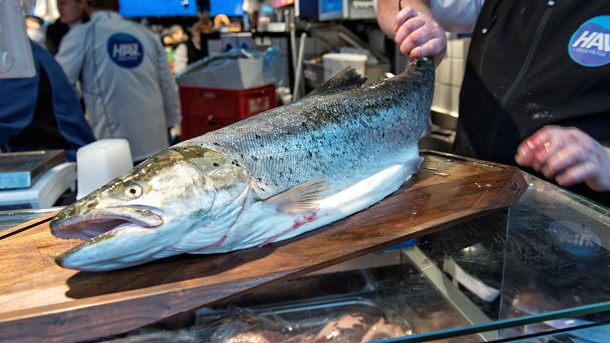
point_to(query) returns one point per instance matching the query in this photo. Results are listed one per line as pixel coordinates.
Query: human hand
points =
(567, 155)
(419, 35)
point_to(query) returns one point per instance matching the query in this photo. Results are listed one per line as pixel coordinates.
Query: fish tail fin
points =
(412, 166)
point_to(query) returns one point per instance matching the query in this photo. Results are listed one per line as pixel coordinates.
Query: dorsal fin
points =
(347, 78)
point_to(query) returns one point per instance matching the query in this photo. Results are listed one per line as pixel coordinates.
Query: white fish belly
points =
(261, 226)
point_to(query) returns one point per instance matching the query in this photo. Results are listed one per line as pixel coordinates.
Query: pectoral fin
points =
(301, 198)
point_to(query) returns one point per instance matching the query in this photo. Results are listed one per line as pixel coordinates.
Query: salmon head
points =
(154, 210)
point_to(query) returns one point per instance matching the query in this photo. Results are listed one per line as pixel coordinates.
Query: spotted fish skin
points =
(342, 133)
(271, 177)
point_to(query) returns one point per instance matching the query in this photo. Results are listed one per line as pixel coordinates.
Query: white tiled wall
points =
(449, 75)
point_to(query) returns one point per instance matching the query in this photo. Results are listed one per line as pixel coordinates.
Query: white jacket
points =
(125, 81)
(457, 16)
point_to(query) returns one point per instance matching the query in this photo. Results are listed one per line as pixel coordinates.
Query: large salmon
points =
(270, 177)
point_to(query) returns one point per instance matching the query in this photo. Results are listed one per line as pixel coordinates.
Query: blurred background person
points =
(71, 13)
(252, 10)
(197, 46)
(44, 9)
(42, 112)
(128, 89)
(174, 39)
(36, 29)
(221, 23)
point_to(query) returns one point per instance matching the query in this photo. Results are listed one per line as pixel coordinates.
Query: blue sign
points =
(590, 44)
(158, 8)
(125, 50)
(230, 8)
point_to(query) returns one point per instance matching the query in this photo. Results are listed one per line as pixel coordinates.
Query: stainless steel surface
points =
(19, 170)
(9, 219)
(448, 290)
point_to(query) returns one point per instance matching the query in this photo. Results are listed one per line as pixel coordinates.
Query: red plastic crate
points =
(226, 104)
(193, 126)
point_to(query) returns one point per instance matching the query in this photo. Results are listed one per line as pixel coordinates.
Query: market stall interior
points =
(291, 51)
(465, 251)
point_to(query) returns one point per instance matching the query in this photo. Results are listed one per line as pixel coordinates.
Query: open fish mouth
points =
(100, 221)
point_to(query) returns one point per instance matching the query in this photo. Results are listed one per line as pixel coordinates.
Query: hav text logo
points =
(125, 50)
(590, 44)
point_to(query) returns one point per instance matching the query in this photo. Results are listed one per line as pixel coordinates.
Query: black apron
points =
(533, 63)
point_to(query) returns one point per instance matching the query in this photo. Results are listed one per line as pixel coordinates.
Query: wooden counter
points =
(40, 301)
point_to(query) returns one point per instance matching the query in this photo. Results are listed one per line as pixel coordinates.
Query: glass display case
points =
(537, 271)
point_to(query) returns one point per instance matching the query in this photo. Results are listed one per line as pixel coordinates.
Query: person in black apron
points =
(535, 88)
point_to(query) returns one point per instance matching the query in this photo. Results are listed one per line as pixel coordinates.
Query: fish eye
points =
(134, 191)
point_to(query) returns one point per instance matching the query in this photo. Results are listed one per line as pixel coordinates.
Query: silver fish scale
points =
(341, 137)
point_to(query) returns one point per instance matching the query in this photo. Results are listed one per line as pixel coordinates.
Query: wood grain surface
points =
(40, 301)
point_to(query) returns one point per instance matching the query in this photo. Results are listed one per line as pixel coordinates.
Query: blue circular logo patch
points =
(590, 44)
(125, 50)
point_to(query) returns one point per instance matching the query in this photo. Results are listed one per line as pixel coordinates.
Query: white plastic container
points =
(99, 162)
(335, 62)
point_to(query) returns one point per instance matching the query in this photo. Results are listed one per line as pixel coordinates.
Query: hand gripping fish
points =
(267, 178)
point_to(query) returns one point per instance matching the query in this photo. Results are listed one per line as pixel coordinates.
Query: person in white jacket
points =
(125, 81)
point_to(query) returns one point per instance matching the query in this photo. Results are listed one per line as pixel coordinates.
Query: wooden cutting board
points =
(40, 301)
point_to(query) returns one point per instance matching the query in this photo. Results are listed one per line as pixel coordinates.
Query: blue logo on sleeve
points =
(590, 44)
(125, 50)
